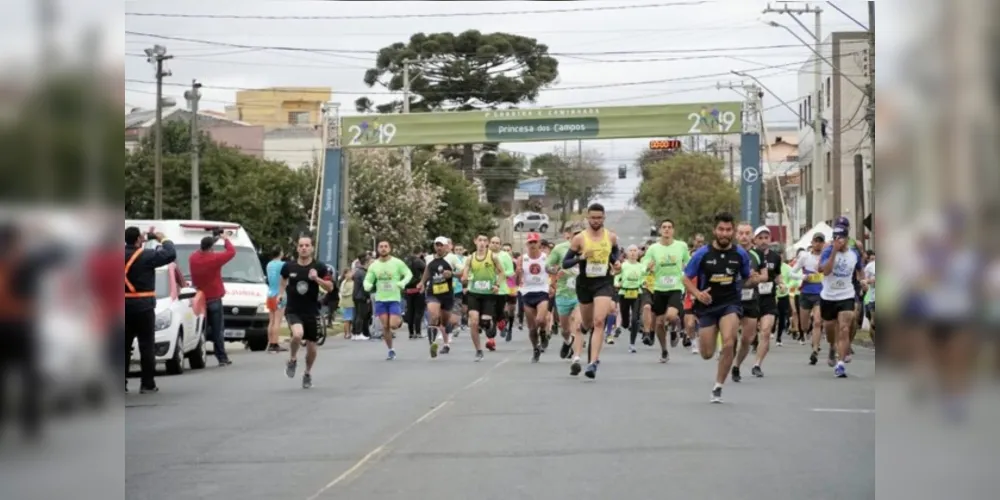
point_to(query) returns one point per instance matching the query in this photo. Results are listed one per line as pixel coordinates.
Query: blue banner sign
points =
(752, 182)
(329, 223)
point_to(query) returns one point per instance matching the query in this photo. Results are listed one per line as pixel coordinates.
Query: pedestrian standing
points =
(206, 277)
(415, 302)
(361, 326)
(140, 298)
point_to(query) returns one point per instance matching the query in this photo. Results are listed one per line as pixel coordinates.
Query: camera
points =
(217, 232)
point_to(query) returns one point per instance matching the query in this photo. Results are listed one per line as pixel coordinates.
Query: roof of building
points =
(293, 133)
(146, 118)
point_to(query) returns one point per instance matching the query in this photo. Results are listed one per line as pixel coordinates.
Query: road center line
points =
(423, 418)
(842, 410)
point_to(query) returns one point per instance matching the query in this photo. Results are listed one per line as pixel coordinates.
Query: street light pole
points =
(193, 96)
(407, 151)
(157, 55)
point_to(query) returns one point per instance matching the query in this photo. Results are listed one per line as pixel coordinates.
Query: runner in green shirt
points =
(784, 301)
(506, 303)
(667, 259)
(483, 275)
(388, 276)
(566, 302)
(629, 283)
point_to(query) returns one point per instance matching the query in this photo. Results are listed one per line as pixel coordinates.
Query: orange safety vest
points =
(130, 292)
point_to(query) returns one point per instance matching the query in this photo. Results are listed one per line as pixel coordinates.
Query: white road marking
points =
(365, 460)
(841, 410)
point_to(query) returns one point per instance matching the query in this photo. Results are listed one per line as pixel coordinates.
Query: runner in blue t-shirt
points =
(275, 303)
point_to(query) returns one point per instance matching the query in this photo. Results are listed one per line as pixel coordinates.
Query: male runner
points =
(461, 308)
(595, 251)
(689, 319)
(768, 290)
(750, 297)
(812, 286)
(646, 301)
(483, 275)
(565, 293)
(869, 284)
(784, 316)
(667, 258)
(840, 265)
(301, 280)
(437, 280)
(389, 277)
(715, 277)
(506, 302)
(533, 282)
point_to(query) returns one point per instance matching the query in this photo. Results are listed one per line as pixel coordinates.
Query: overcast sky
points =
(701, 40)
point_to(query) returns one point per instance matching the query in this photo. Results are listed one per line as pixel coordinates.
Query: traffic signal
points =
(622, 171)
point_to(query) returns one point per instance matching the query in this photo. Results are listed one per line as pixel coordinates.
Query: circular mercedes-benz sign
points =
(750, 174)
(236, 310)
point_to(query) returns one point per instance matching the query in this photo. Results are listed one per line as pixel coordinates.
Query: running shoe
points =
(831, 360)
(391, 356)
(307, 381)
(479, 356)
(290, 368)
(757, 372)
(491, 345)
(536, 355)
(664, 357)
(840, 371)
(566, 350)
(434, 350)
(544, 340)
(737, 377)
(631, 348)
(814, 358)
(717, 395)
(445, 349)
(591, 371)
(575, 368)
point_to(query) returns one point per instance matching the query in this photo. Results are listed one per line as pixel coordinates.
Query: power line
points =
(388, 15)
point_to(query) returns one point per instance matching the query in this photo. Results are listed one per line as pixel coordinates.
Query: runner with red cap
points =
(533, 281)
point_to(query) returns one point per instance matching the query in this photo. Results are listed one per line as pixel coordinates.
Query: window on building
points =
(829, 90)
(298, 118)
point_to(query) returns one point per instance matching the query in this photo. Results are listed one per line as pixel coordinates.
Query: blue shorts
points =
(565, 305)
(711, 316)
(390, 308)
(347, 313)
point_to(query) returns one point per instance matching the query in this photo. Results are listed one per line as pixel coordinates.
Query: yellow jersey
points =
(598, 265)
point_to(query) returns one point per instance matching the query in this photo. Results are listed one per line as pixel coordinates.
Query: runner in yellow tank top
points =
(595, 251)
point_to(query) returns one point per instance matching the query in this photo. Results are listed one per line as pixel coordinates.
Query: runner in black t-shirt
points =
(750, 296)
(714, 277)
(437, 282)
(301, 280)
(768, 290)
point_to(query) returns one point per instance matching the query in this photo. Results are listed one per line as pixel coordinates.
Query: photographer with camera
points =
(206, 277)
(140, 297)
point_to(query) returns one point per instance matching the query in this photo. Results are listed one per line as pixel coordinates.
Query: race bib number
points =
(669, 281)
(482, 286)
(766, 288)
(535, 279)
(840, 284)
(631, 294)
(386, 286)
(596, 269)
(571, 282)
(439, 288)
(747, 294)
(814, 278)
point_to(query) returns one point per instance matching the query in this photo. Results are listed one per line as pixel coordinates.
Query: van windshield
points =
(244, 268)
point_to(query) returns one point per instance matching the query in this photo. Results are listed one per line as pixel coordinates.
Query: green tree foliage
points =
(460, 216)
(463, 72)
(571, 178)
(689, 189)
(60, 141)
(270, 200)
(500, 173)
(651, 157)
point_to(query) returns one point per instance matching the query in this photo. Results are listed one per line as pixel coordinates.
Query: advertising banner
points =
(328, 225)
(753, 179)
(548, 124)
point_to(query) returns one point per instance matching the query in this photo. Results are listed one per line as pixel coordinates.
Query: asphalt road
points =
(451, 429)
(632, 226)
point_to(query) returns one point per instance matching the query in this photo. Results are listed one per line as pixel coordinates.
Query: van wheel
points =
(197, 357)
(175, 365)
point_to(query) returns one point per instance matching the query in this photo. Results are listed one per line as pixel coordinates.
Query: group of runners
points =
(722, 298)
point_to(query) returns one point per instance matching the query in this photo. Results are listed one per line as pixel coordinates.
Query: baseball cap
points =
(839, 232)
(534, 237)
(819, 237)
(761, 230)
(441, 240)
(842, 222)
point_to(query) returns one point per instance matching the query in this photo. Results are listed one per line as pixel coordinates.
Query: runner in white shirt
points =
(840, 264)
(809, 294)
(533, 282)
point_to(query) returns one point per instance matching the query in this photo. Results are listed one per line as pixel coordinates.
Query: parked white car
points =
(531, 221)
(180, 333)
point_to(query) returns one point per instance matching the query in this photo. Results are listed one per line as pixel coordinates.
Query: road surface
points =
(451, 429)
(632, 226)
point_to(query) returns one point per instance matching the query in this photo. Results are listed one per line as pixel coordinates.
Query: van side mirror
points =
(187, 293)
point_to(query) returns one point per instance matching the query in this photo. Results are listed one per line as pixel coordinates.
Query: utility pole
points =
(817, 95)
(156, 56)
(871, 110)
(732, 164)
(407, 151)
(193, 97)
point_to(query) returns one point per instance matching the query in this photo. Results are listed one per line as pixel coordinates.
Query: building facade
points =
(841, 183)
(296, 147)
(280, 107)
(247, 138)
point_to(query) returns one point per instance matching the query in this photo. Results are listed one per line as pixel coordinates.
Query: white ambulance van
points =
(245, 314)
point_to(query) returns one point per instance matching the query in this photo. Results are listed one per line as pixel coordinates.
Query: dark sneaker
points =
(831, 360)
(536, 355)
(225, 362)
(290, 368)
(149, 390)
(545, 341)
(575, 368)
(757, 372)
(717, 395)
(814, 358)
(736, 374)
(445, 349)
(307, 381)
(664, 357)
(566, 350)
(479, 356)
(591, 371)
(647, 339)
